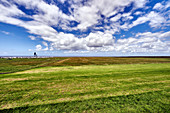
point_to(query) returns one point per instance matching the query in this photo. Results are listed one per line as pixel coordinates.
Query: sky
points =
(85, 27)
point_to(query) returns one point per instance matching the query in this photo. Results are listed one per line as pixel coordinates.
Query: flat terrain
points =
(20, 64)
(85, 85)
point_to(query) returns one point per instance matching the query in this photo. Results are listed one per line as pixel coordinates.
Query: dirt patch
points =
(61, 61)
(44, 70)
(166, 81)
(15, 79)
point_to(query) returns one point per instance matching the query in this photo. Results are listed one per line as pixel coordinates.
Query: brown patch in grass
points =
(43, 70)
(15, 79)
(61, 61)
(165, 81)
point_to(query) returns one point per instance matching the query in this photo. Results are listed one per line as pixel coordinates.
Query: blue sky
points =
(85, 27)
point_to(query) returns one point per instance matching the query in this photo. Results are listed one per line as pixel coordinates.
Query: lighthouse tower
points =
(35, 54)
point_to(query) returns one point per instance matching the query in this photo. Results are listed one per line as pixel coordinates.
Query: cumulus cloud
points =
(99, 20)
(67, 42)
(99, 39)
(144, 42)
(87, 16)
(38, 47)
(94, 41)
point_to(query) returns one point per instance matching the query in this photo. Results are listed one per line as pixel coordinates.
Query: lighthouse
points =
(35, 54)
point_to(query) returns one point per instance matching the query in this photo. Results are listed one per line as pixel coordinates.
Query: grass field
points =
(18, 64)
(85, 85)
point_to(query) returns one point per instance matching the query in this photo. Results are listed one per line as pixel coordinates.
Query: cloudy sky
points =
(85, 27)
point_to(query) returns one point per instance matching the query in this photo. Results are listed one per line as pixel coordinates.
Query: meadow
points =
(85, 84)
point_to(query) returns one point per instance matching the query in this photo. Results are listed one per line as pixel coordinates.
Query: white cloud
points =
(138, 13)
(158, 6)
(67, 42)
(151, 35)
(38, 47)
(62, 1)
(34, 27)
(127, 16)
(94, 41)
(48, 15)
(140, 3)
(162, 6)
(165, 35)
(155, 20)
(110, 7)
(146, 42)
(123, 36)
(44, 43)
(8, 13)
(5, 32)
(148, 34)
(167, 5)
(140, 20)
(10, 10)
(99, 39)
(39, 29)
(45, 49)
(29, 49)
(88, 14)
(32, 37)
(116, 18)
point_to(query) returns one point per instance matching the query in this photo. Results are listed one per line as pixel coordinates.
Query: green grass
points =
(18, 64)
(88, 88)
(146, 102)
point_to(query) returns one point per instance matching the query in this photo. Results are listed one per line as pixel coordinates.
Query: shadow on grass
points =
(145, 102)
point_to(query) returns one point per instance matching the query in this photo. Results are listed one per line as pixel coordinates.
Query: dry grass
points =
(14, 79)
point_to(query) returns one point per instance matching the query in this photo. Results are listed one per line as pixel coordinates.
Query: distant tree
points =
(35, 54)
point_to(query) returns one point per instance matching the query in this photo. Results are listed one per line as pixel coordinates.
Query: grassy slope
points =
(120, 88)
(15, 65)
(18, 64)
